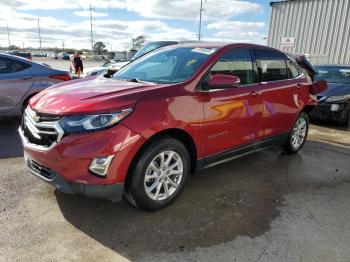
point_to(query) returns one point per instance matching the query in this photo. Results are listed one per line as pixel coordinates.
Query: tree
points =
(138, 42)
(14, 47)
(99, 48)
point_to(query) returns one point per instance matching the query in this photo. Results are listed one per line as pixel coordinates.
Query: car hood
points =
(336, 89)
(94, 69)
(89, 96)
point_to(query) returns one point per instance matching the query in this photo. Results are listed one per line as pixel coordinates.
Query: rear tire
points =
(298, 135)
(158, 175)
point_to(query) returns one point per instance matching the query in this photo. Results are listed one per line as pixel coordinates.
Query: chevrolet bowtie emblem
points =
(36, 118)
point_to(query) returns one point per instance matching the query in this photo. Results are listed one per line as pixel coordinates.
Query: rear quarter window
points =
(12, 66)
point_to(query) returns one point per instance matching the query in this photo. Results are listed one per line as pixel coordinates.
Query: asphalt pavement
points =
(267, 206)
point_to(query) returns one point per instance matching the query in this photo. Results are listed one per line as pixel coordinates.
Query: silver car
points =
(20, 79)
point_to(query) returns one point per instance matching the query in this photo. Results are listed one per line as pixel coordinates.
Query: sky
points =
(116, 22)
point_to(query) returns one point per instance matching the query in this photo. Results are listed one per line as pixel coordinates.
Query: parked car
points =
(23, 54)
(20, 79)
(63, 56)
(151, 46)
(334, 103)
(39, 54)
(94, 71)
(174, 111)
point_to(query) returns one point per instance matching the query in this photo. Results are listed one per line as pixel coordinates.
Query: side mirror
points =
(318, 87)
(223, 81)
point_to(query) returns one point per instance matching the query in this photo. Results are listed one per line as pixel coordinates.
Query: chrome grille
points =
(39, 130)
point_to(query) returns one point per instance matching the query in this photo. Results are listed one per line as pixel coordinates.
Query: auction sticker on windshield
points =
(206, 51)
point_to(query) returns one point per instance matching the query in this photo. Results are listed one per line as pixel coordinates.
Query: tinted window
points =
(11, 66)
(292, 70)
(237, 62)
(334, 74)
(271, 65)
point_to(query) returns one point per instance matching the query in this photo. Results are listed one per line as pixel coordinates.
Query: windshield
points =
(334, 74)
(171, 65)
(150, 47)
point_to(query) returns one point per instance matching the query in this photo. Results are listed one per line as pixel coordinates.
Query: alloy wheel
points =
(299, 132)
(163, 175)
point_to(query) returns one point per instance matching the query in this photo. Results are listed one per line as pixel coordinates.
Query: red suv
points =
(170, 113)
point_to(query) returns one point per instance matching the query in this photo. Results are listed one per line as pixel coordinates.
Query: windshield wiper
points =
(136, 80)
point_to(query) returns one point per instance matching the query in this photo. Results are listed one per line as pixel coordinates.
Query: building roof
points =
(283, 1)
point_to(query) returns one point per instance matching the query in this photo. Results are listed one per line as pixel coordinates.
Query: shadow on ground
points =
(239, 198)
(10, 143)
(215, 207)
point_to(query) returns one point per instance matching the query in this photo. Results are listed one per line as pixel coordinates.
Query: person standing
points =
(78, 64)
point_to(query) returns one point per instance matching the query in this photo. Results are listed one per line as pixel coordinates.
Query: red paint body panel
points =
(73, 155)
(216, 121)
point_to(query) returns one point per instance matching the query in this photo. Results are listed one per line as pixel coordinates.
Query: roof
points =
(218, 45)
(282, 1)
(18, 58)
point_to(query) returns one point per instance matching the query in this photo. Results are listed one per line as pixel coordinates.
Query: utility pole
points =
(8, 35)
(92, 40)
(200, 21)
(39, 33)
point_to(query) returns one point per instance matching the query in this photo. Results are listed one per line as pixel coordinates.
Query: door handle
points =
(25, 77)
(254, 94)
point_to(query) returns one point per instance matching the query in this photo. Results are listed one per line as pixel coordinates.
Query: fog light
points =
(99, 166)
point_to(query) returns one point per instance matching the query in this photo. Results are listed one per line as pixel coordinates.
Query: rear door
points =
(279, 92)
(232, 115)
(15, 81)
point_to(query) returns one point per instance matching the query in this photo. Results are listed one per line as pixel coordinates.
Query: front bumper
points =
(325, 111)
(113, 192)
(67, 162)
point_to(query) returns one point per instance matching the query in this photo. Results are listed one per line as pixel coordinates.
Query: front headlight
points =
(337, 98)
(88, 123)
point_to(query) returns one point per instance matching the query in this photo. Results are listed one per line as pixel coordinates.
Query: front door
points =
(232, 115)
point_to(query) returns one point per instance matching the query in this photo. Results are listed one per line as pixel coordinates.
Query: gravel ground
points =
(263, 207)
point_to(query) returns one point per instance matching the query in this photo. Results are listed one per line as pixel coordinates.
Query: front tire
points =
(158, 176)
(298, 135)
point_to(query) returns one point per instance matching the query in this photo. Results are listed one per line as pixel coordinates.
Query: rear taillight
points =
(61, 77)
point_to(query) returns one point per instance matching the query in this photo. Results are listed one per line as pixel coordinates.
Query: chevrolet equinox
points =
(173, 112)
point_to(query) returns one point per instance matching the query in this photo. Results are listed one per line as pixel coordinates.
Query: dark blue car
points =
(334, 103)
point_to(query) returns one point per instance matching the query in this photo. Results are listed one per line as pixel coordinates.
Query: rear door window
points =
(271, 65)
(11, 66)
(237, 62)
